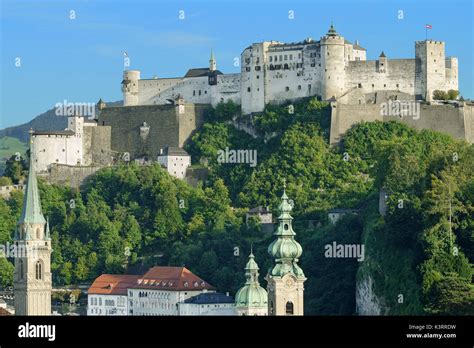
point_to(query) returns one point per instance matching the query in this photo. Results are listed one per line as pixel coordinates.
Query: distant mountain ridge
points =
(45, 121)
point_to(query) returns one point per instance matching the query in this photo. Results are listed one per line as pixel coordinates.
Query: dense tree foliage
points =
(131, 217)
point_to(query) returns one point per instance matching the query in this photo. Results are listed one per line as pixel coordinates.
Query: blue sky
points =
(81, 59)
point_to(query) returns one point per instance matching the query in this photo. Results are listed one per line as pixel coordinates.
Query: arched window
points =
(38, 233)
(289, 308)
(39, 270)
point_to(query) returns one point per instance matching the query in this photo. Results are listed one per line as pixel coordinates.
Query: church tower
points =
(32, 278)
(285, 279)
(251, 299)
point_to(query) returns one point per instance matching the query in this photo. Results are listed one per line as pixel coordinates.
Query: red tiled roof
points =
(171, 278)
(113, 284)
(3, 312)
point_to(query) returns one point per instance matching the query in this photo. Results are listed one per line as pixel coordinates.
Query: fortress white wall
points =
(56, 148)
(275, 72)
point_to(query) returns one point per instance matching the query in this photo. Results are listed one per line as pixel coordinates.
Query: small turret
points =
(212, 62)
(382, 63)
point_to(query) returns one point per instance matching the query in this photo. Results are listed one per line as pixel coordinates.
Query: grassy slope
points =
(9, 146)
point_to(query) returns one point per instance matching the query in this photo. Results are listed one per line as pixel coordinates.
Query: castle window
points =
(39, 270)
(384, 85)
(258, 76)
(397, 85)
(286, 57)
(299, 87)
(271, 58)
(287, 88)
(281, 57)
(194, 93)
(257, 68)
(248, 89)
(373, 85)
(247, 69)
(199, 92)
(299, 55)
(289, 308)
(309, 88)
(38, 233)
(291, 57)
(359, 85)
(205, 92)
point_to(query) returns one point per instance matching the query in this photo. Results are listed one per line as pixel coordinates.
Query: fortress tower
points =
(430, 68)
(130, 87)
(333, 64)
(32, 279)
(253, 77)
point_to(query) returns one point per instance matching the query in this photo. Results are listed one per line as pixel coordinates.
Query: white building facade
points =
(175, 160)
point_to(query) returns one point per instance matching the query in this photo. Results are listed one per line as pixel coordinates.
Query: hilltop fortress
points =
(161, 113)
(275, 72)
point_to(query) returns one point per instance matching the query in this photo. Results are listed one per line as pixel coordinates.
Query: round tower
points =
(332, 59)
(130, 87)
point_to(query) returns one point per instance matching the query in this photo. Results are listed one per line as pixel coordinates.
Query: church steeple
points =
(251, 299)
(32, 278)
(31, 213)
(285, 249)
(212, 62)
(285, 279)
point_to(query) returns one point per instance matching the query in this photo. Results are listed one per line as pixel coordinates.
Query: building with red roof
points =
(157, 292)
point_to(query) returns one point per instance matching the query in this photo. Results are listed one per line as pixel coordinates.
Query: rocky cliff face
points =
(367, 302)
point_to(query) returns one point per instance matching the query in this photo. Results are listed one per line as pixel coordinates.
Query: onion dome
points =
(285, 249)
(251, 294)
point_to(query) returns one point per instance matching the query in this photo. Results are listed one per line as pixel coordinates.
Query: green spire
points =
(285, 249)
(31, 212)
(251, 294)
(332, 31)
